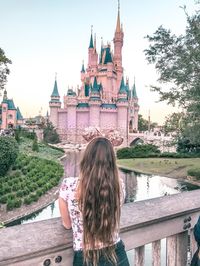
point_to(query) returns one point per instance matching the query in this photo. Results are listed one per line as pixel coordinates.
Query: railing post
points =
(156, 250)
(139, 256)
(177, 246)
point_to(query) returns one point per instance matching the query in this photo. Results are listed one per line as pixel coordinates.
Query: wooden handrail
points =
(142, 222)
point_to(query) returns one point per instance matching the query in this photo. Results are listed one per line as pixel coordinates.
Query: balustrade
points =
(169, 217)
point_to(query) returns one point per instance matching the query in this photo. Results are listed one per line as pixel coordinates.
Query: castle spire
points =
(134, 93)
(55, 88)
(83, 67)
(118, 28)
(91, 38)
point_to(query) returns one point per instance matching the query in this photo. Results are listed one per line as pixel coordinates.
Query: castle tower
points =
(118, 43)
(92, 56)
(83, 72)
(122, 107)
(4, 111)
(134, 108)
(95, 102)
(71, 104)
(54, 105)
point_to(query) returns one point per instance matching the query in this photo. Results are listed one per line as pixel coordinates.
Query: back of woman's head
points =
(99, 198)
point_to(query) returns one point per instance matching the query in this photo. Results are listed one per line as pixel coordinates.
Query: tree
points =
(174, 123)
(4, 70)
(143, 124)
(50, 134)
(177, 61)
(8, 153)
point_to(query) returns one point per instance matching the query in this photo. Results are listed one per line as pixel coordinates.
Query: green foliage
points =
(31, 178)
(8, 153)
(139, 151)
(174, 122)
(50, 134)
(143, 124)
(194, 172)
(4, 70)
(35, 146)
(177, 61)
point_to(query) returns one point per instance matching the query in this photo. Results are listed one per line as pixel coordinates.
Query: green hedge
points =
(194, 172)
(8, 153)
(31, 178)
(139, 151)
(149, 151)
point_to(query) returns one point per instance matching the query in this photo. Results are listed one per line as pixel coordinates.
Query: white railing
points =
(171, 217)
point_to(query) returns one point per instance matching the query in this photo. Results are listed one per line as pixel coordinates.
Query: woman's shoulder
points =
(68, 187)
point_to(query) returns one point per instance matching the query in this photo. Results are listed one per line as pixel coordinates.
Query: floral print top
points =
(67, 192)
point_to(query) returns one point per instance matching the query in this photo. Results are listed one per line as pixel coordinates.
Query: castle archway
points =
(136, 141)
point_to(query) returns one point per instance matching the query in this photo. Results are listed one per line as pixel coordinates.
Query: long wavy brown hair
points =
(99, 200)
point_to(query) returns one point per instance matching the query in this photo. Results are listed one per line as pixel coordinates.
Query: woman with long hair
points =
(91, 205)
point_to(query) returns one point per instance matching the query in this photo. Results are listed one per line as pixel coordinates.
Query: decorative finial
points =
(91, 29)
(55, 75)
(118, 5)
(134, 79)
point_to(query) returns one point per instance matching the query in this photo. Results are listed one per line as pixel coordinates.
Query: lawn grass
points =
(171, 167)
(45, 151)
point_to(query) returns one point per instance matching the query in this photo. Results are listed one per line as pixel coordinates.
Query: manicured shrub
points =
(194, 172)
(28, 200)
(3, 199)
(139, 151)
(8, 153)
(20, 193)
(34, 197)
(39, 192)
(10, 205)
(6, 189)
(35, 146)
(18, 203)
(11, 196)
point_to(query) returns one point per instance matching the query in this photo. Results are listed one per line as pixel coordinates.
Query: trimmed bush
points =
(194, 172)
(139, 151)
(3, 199)
(8, 153)
(28, 200)
(35, 146)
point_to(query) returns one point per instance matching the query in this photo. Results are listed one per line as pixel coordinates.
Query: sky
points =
(44, 37)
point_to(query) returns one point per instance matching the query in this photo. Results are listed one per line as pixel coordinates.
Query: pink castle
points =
(104, 100)
(10, 116)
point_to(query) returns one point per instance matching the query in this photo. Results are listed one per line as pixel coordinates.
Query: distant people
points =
(91, 205)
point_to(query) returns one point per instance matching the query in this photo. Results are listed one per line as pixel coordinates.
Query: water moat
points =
(138, 187)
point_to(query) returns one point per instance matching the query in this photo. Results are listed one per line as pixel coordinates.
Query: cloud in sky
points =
(44, 37)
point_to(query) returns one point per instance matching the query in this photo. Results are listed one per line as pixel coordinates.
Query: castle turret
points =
(134, 107)
(122, 110)
(92, 56)
(71, 104)
(118, 43)
(4, 111)
(54, 105)
(82, 72)
(95, 102)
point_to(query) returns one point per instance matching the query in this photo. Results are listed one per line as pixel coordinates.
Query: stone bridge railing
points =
(170, 217)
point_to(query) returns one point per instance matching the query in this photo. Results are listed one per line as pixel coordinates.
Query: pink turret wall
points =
(4, 115)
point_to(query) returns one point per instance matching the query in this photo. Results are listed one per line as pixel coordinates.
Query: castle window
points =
(4, 109)
(10, 116)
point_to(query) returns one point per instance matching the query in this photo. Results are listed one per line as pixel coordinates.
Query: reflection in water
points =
(138, 187)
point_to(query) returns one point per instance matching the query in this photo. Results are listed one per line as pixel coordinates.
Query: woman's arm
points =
(64, 212)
